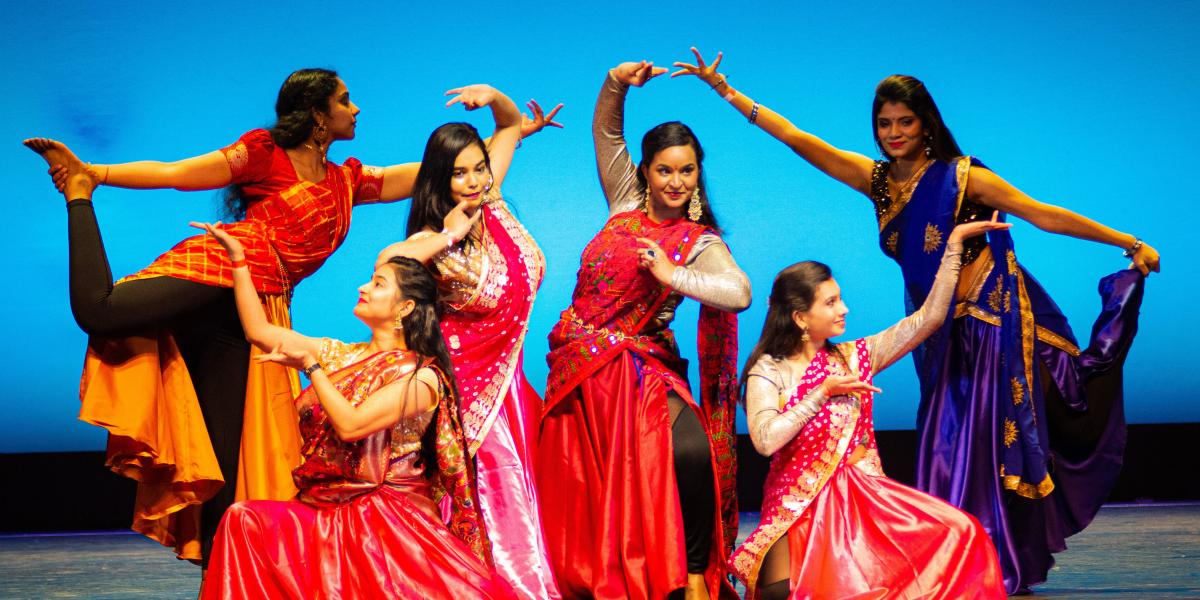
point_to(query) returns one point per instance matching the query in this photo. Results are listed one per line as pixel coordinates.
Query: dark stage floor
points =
(1129, 552)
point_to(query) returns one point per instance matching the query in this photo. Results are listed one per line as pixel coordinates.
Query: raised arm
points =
(618, 176)
(989, 189)
(262, 333)
(850, 168)
(887, 346)
(508, 124)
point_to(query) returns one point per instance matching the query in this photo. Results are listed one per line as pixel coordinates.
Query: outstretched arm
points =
(618, 177)
(989, 189)
(850, 168)
(887, 346)
(259, 331)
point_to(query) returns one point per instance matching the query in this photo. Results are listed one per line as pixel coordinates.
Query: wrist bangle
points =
(719, 83)
(450, 239)
(308, 371)
(1137, 245)
(239, 263)
(753, 114)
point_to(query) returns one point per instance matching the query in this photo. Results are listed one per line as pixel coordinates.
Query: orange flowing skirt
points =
(870, 537)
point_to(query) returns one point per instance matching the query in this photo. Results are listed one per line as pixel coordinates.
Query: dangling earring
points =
(320, 138)
(487, 191)
(694, 207)
(399, 326)
(646, 200)
(928, 146)
(804, 339)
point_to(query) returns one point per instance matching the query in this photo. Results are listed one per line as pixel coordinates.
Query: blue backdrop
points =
(1083, 104)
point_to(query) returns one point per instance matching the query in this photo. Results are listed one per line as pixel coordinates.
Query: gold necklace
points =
(910, 183)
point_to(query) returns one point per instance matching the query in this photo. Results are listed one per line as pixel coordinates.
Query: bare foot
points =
(71, 176)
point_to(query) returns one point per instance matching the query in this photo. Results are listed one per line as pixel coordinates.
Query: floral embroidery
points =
(933, 238)
(1010, 432)
(1018, 392)
(1011, 257)
(237, 156)
(893, 240)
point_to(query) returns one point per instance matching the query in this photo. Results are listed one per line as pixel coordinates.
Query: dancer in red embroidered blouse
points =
(643, 478)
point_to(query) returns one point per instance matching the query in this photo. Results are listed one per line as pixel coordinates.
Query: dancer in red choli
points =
(833, 525)
(382, 448)
(641, 478)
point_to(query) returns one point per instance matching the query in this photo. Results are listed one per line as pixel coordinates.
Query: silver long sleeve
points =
(772, 428)
(887, 346)
(711, 277)
(618, 176)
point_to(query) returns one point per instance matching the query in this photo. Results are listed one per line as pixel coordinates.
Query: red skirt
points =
(610, 504)
(388, 543)
(867, 536)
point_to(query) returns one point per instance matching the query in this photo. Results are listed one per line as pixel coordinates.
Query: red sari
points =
(614, 527)
(851, 531)
(366, 523)
(139, 388)
(487, 291)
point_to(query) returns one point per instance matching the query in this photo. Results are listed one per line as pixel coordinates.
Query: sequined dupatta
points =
(485, 322)
(913, 231)
(800, 470)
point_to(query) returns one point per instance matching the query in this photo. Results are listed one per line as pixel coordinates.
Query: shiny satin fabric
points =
(613, 520)
(387, 543)
(868, 537)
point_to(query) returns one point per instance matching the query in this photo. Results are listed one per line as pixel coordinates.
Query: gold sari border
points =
(905, 195)
(965, 309)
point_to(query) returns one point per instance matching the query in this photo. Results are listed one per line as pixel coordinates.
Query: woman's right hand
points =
(472, 96)
(232, 246)
(705, 72)
(845, 385)
(458, 223)
(637, 73)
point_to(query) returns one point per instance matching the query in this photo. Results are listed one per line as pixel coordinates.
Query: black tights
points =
(204, 322)
(694, 479)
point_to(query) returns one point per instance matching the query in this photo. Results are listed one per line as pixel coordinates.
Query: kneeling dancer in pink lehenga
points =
(833, 525)
(383, 448)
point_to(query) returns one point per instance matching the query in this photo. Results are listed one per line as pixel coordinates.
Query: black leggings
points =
(694, 479)
(204, 322)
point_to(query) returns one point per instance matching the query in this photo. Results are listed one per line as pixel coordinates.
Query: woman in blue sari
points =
(1017, 425)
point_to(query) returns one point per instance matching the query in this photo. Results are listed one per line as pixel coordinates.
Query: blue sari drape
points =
(989, 376)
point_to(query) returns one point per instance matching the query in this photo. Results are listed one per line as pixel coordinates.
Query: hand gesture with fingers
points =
(458, 223)
(654, 258)
(846, 385)
(540, 120)
(231, 244)
(970, 230)
(637, 73)
(288, 357)
(705, 72)
(472, 96)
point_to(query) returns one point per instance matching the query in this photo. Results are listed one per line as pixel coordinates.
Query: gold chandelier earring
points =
(695, 209)
(646, 199)
(804, 339)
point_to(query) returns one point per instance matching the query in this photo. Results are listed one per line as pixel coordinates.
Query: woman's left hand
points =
(974, 228)
(705, 72)
(232, 246)
(540, 120)
(472, 96)
(652, 257)
(288, 357)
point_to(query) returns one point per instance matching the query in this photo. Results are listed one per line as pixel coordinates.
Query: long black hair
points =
(431, 199)
(303, 92)
(794, 290)
(668, 135)
(909, 91)
(423, 335)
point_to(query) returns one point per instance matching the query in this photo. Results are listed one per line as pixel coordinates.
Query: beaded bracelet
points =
(450, 239)
(1137, 245)
(753, 114)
